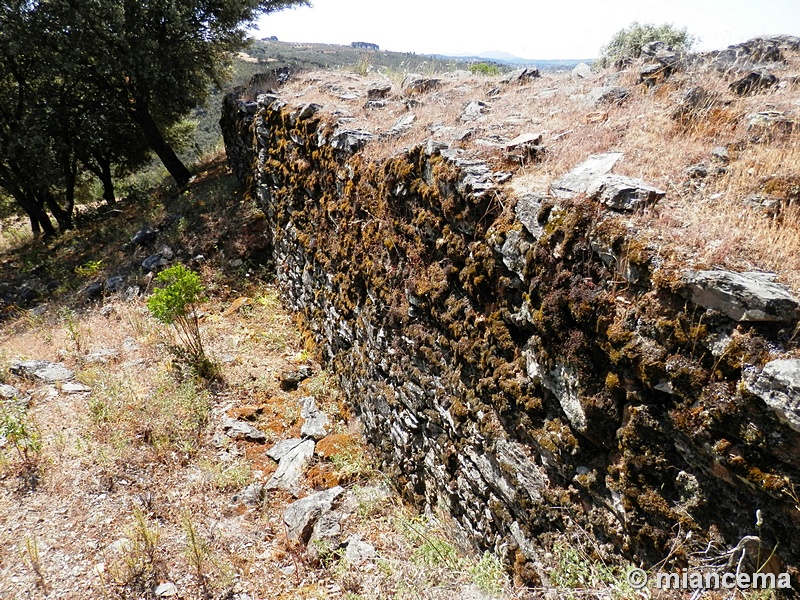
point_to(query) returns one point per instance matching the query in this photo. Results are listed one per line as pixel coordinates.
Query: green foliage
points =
(628, 42)
(489, 574)
(176, 304)
(483, 68)
(89, 269)
(20, 434)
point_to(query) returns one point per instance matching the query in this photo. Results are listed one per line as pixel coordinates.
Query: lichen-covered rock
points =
(610, 94)
(504, 369)
(742, 296)
(778, 385)
(291, 467)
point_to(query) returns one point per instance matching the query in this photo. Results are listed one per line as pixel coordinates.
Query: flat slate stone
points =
(623, 193)
(239, 430)
(742, 296)
(578, 179)
(779, 386)
(43, 370)
(8, 391)
(282, 448)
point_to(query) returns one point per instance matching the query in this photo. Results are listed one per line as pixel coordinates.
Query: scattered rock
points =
(417, 84)
(742, 296)
(252, 495)
(578, 179)
(73, 387)
(92, 291)
(698, 171)
(101, 357)
(239, 430)
(623, 193)
(375, 104)
(521, 75)
(610, 94)
(114, 284)
(301, 516)
(144, 236)
(721, 154)
(769, 124)
(154, 261)
(693, 102)
(473, 111)
(282, 448)
(314, 420)
(379, 92)
(290, 381)
(291, 467)
(402, 125)
(357, 551)
(165, 590)
(753, 82)
(582, 71)
(526, 146)
(43, 370)
(8, 391)
(778, 385)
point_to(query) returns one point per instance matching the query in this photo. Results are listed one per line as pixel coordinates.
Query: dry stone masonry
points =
(526, 364)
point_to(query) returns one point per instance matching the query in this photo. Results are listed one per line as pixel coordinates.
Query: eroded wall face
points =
(519, 363)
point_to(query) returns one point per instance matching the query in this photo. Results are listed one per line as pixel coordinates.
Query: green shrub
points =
(486, 69)
(176, 304)
(628, 42)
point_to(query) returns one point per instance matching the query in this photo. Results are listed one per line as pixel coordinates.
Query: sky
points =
(555, 29)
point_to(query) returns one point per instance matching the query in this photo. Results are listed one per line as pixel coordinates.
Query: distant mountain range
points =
(509, 59)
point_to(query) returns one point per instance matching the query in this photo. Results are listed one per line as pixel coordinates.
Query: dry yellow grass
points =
(710, 224)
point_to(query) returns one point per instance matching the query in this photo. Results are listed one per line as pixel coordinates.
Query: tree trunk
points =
(38, 217)
(63, 217)
(108, 182)
(140, 114)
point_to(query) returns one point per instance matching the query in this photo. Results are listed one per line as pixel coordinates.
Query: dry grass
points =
(706, 224)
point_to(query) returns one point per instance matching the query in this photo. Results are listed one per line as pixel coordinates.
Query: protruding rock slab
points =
(315, 422)
(742, 296)
(350, 141)
(578, 179)
(291, 466)
(301, 516)
(43, 370)
(417, 84)
(779, 386)
(282, 448)
(623, 193)
(521, 75)
(239, 430)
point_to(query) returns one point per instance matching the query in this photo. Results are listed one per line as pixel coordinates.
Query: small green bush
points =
(486, 69)
(628, 42)
(176, 304)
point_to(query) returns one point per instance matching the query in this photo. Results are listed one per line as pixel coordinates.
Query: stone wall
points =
(524, 363)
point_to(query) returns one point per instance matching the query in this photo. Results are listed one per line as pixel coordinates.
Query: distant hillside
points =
(510, 59)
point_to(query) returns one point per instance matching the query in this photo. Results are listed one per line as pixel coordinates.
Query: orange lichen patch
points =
(323, 476)
(246, 412)
(336, 444)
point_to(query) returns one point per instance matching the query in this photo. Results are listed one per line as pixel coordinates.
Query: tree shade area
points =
(96, 86)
